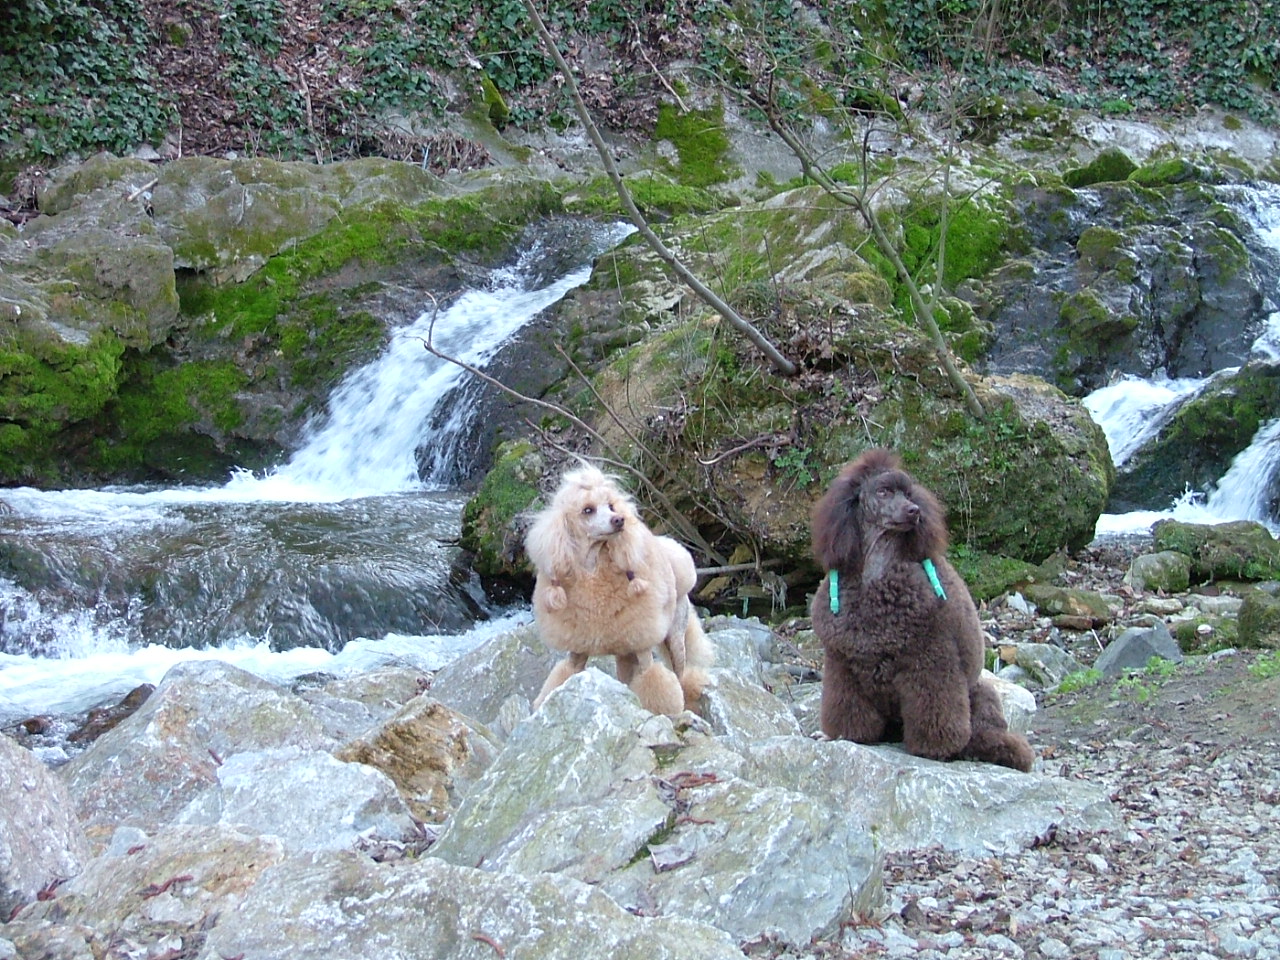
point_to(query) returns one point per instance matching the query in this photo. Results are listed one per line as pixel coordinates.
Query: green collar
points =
(833, 585)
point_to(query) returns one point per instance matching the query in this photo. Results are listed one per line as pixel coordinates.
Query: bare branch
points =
(780, 363)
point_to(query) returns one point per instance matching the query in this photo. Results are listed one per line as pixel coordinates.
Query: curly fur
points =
(899, 659)
(607, 585)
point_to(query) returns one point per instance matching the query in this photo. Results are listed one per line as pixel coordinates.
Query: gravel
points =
(1190, 759)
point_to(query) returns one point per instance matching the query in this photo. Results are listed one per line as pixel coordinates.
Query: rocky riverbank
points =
(230, 816)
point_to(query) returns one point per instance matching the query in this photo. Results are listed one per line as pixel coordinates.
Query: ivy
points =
(75, 77)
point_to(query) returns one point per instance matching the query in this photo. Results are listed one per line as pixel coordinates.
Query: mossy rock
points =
(1223, 634)
(68, 187)
(1240, 550)
(1166, 571)
(700, 141)
(1163, 172)
(1259, 620)
(655, 195)
(1110, 165)
(989, 576)
(1066, 601)
(490, 530)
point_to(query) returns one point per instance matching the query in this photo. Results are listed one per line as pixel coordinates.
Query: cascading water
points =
(336, 560)
(1132, 411)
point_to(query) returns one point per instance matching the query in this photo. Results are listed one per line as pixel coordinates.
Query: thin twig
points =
(141, 190)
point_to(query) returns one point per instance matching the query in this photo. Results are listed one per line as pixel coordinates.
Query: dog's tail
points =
(699, 656)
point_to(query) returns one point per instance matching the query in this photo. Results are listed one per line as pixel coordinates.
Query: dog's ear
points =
(628, 551)
(837, 537)
(931, 531)
(552, 543)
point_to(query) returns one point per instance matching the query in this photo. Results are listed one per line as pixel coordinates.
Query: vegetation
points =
(293, 82)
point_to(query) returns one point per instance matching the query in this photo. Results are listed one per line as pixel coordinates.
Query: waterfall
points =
(380, 414)
(342, 558)
(1132, 411)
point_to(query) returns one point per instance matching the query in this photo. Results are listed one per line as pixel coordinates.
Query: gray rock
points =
(1135, 647)
(154, 763)
(589, 738)
(308, 799)
(1167, 571)
(912, 802)
(40, 839)
(344, 905)
(1048, 665)
(478, 683)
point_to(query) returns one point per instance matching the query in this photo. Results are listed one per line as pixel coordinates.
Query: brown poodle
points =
(901, 636)
(606, 584)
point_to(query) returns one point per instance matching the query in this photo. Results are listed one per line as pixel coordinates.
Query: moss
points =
(488, 519)
(1175, 170)
(978, 238)
(1101, 247)
(47, 386)
(700, 141)
(990, 575)
(496, 107)
(1110, 165)
(653, 194)
(1090, 324)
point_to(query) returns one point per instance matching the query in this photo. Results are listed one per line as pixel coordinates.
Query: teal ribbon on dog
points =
(933, 578)
(833, 585)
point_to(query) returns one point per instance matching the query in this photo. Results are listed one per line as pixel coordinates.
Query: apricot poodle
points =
(607, 585)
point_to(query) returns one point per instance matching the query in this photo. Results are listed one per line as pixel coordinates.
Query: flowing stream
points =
(338, 560)
(342, 558)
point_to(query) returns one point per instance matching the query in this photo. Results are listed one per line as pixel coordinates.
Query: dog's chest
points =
(886, 615)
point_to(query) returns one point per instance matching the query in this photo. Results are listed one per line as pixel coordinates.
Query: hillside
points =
(329, 79)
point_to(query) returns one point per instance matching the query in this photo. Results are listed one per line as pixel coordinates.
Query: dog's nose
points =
(913, 510)
(617, 521)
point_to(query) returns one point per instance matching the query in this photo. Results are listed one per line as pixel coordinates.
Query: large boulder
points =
(145, 771)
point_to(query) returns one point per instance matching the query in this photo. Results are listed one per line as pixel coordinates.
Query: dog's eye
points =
(884, 492)
(588, 511)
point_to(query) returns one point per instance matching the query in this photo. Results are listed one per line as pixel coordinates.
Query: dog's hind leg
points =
(657, 687)
(991, 740)
(562, 671)
(677, 636)
(699, 656)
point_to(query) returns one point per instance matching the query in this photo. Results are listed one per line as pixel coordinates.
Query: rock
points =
(1240, 550)
(1135, 647)
(1259, 620)
(431, 753)
(1046, 664)
(1163, 572)
(478, 683)
(307, 798)
(147, 769)
(588, 738)
(178, 882)
(740, 711)
(1055, 601)
(1018, 702)
(41, 842)
(305, 909)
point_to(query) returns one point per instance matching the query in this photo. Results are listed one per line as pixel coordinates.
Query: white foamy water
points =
(1132, 410)
(31, 686)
